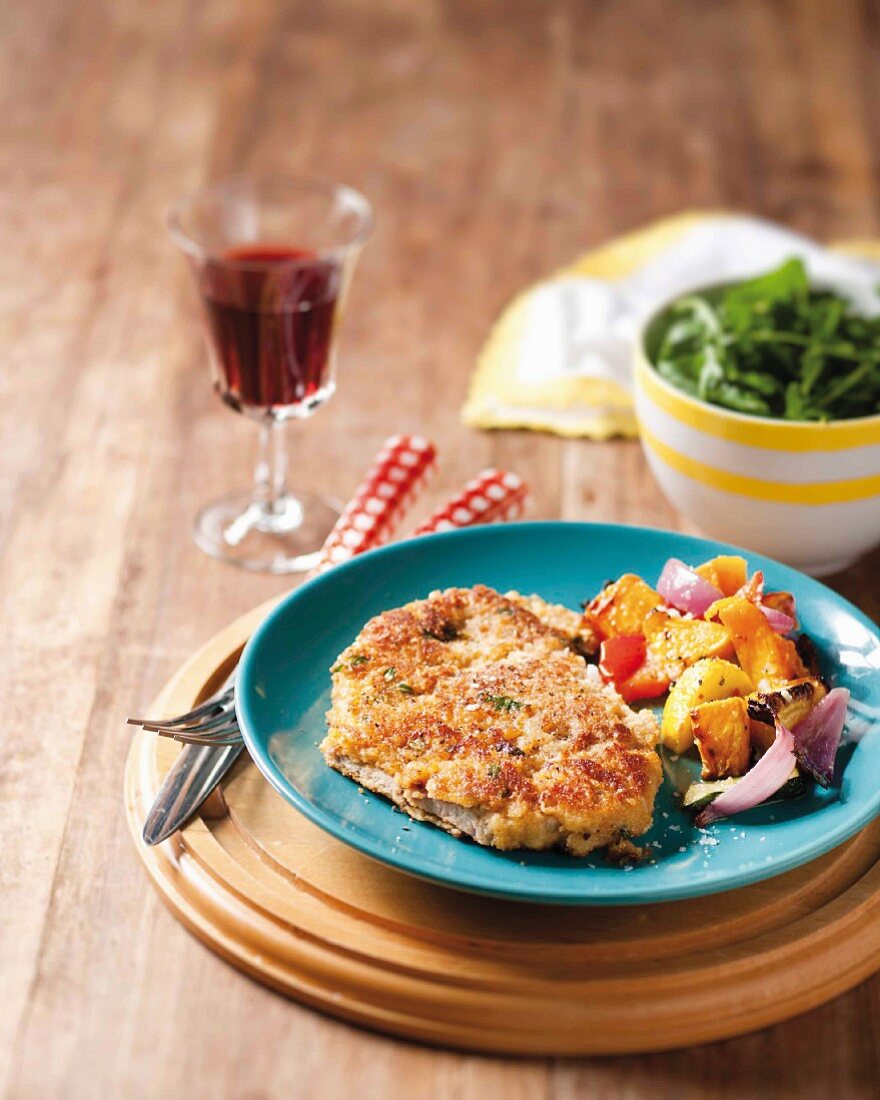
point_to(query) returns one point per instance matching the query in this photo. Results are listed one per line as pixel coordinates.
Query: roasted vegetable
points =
(761, 735)
(721, 731)
(622, 607)
(790, 703)
(714, 609)
(781, 601)
(780, 623)
(707, 680)
(621, 656)
(728, 572)
(650, 681)
(676, 642)
(752, 589)
(673, 644)
(763, 780)
(776, 607)
(817, 737)
(700, 794)
(769, 659)
(684, 589)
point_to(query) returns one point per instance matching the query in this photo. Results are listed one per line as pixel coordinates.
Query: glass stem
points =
(271, 472)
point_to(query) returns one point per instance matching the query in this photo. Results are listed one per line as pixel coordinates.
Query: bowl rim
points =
(732, 414)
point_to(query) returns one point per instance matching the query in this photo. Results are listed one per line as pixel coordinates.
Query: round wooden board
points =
(322, 923)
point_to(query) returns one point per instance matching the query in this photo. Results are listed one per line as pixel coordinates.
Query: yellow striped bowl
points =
(806, 493)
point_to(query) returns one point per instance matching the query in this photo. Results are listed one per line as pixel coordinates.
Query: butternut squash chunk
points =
(713, 611)
(677, 643)
(727, 572)
(721, 731)
(622, 607)
(752, 590)
(769, 659)
(704, 682)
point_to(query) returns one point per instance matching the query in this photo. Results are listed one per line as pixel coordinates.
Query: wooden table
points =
(496, 140)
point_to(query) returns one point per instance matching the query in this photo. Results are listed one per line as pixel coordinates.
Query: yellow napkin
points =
(510, 387)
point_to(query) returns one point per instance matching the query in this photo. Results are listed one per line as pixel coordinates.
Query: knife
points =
(194, 774)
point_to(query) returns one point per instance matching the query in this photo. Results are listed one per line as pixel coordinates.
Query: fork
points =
(212, 723)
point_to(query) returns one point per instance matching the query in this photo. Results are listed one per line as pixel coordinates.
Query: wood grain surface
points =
(497, 138)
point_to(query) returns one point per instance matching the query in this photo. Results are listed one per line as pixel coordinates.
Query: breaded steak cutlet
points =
(477, 712)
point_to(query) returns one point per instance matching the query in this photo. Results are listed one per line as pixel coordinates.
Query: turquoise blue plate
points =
(284, 690)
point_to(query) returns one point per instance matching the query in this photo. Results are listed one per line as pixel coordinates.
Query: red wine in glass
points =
(273, 257)
(271, 314)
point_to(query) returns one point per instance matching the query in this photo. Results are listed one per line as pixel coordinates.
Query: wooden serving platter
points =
(296, 909)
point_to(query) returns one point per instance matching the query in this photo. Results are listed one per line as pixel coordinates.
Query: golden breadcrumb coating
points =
(477, 711)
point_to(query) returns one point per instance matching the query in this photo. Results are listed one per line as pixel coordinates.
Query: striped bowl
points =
(806, 493)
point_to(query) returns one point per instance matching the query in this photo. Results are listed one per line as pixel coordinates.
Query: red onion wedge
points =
(686, 590)
(817, 736)
(758, 784)
(780, 623)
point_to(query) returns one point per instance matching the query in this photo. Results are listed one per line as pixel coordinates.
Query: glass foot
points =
(285, 537)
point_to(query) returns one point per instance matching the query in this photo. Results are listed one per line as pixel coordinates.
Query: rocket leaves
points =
(772, 346)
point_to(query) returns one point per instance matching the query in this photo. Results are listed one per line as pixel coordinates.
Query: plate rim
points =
(377, 850)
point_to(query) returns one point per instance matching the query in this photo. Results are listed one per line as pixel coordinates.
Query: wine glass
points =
(273, 259)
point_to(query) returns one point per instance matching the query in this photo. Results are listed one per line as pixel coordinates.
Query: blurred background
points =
(497, 140)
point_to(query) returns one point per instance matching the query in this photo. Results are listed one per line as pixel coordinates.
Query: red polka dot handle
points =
(493, 495)
(389, 489)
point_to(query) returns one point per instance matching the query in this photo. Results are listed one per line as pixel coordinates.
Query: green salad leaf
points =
(772, 346)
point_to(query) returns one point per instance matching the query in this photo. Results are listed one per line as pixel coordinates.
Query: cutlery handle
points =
(398, 474)
(491, 496)
(193, 775)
